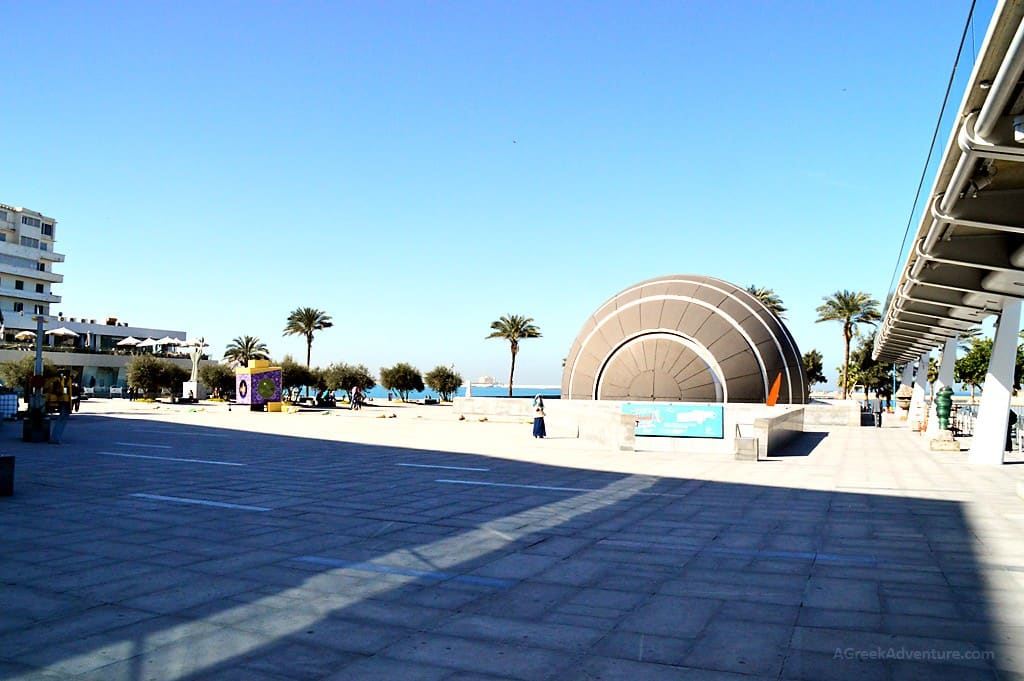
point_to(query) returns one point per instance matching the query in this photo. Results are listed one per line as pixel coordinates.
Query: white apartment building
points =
(27, 257)
(26, 264)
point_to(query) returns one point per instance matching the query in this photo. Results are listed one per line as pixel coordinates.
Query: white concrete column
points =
(908, 374)
(946, 366)
(989, 441)
(917, 413)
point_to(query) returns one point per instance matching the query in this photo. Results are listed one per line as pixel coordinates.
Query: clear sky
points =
(417, 169)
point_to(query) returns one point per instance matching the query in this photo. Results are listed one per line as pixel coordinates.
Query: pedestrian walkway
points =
(166, 545)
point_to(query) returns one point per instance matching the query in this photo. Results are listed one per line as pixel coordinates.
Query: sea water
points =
(548, 391)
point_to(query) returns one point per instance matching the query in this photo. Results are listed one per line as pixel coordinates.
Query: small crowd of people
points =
(132, 393)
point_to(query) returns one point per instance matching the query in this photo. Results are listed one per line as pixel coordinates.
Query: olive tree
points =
(403, 378)
(444, 380)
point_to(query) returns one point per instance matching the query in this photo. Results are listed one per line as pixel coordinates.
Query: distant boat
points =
(485, 381)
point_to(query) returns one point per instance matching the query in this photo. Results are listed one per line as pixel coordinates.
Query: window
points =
(41, 266)
(39, 288)
(3, 237)
(18, 284)
(47, 230)
(40, 310)
(3, 216)
(26, 220)
(19, 307)
(30, 242)
(43, 247)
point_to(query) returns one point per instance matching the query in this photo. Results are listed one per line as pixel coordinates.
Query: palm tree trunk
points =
(511, 373)
(846, 368)
(309, 352)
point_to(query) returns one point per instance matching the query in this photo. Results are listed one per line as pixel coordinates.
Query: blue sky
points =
(417, 169)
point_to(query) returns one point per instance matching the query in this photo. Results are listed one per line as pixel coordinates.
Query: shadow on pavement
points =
(150, 550)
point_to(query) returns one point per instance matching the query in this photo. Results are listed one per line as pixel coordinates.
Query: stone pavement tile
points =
(72, 626)
(521, 632)
(770, 613)
(237, 674)
(727, 591)
(486, 657)
(295, 661)
(671, 616)
(36, 604)
(911, 670)
(133, 585)
(630, 645)
(739, 646)
(108, 571)
(444, 596)
(473, 676)
(194, 655)
(847, 594)
(379, 668)
(14, 671)
(575, 572)
(596, 612)
(516, 566)
(526, 601)
(200, 589)
(920, 606)
(868, 643)
(805, 665)
(830, 618)
(597, 668)
(608, 598)
(562, 547)
(10, 621)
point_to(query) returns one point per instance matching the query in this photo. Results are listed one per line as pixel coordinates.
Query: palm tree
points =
(244, 348)
(305, 321)
(512, 328)
(851, 308)
(769, 298)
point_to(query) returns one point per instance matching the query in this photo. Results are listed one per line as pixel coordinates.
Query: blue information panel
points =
(677, 420)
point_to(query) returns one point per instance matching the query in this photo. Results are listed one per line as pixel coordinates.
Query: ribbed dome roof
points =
(684, 338)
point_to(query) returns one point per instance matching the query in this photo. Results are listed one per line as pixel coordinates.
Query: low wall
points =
(775, 432)
(821, 415)
(603, 424)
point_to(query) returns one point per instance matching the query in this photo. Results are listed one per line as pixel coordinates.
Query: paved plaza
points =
(202, 544)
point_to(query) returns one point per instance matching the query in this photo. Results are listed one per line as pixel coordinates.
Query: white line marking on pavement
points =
(177, 432)
(549, 488)
(506, 484)
(450, 468)
(171, 458)
(201, 502)
(139, 444)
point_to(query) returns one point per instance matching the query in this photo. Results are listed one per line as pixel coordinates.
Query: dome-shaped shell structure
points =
(684, 338)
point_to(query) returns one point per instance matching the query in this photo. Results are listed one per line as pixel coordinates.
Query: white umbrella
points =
(130, 340)
(148, 343)
(62, 331)
(194, 343)
(167, 340)
(25, 335)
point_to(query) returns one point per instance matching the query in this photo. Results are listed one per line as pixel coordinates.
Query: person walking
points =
(539, 430)
(878, 408)
(356, 397)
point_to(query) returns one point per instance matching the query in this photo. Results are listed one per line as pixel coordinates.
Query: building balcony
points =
(29, 252)
(50, 256)
(30, 274)
(28, 296)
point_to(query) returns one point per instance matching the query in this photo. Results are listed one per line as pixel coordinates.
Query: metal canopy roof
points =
(967, 258)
